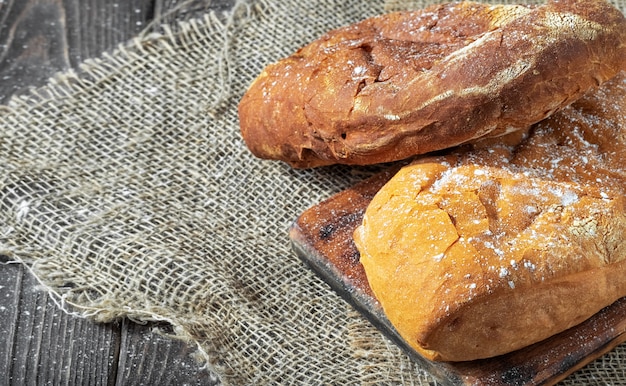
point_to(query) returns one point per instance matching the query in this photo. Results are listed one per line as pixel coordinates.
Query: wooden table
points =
(39, 343)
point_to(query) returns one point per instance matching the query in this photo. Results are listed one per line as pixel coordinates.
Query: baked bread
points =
(493, 247)
(408, 83)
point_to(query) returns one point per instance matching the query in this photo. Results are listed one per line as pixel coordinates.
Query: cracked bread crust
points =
(408, 83)
(497, 246)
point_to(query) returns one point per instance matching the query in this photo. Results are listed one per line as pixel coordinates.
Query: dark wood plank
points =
(10, 287)
(39, 38)
(154, 359)
(96, 26)
(32, 43)
(167, 10)
(49, 346)
(44, 345)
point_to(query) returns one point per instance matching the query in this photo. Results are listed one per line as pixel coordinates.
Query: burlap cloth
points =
(127, 189)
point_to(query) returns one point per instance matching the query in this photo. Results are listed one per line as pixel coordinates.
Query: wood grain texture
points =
(41, 37)
(46, 345)
(42, 344)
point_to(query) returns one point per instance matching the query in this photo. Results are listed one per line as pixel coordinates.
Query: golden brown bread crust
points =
(492, 248)
(408, 83)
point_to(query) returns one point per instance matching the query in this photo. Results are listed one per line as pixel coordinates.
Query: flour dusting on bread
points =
(498, 245)
(407, 83)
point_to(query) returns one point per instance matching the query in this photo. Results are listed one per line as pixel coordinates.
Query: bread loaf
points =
(408, 83)
(494, 247)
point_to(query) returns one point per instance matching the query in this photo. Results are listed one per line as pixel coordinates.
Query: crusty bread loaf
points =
(408, 83)
(494, 247)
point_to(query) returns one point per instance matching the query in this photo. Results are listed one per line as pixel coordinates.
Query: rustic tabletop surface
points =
(40, 344)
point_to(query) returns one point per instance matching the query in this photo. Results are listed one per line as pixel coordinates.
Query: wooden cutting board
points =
(322, 238)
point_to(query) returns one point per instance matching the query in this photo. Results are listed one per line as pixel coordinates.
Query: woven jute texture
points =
(127, 189)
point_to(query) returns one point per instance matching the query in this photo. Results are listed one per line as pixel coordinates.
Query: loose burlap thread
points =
(127, 189)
